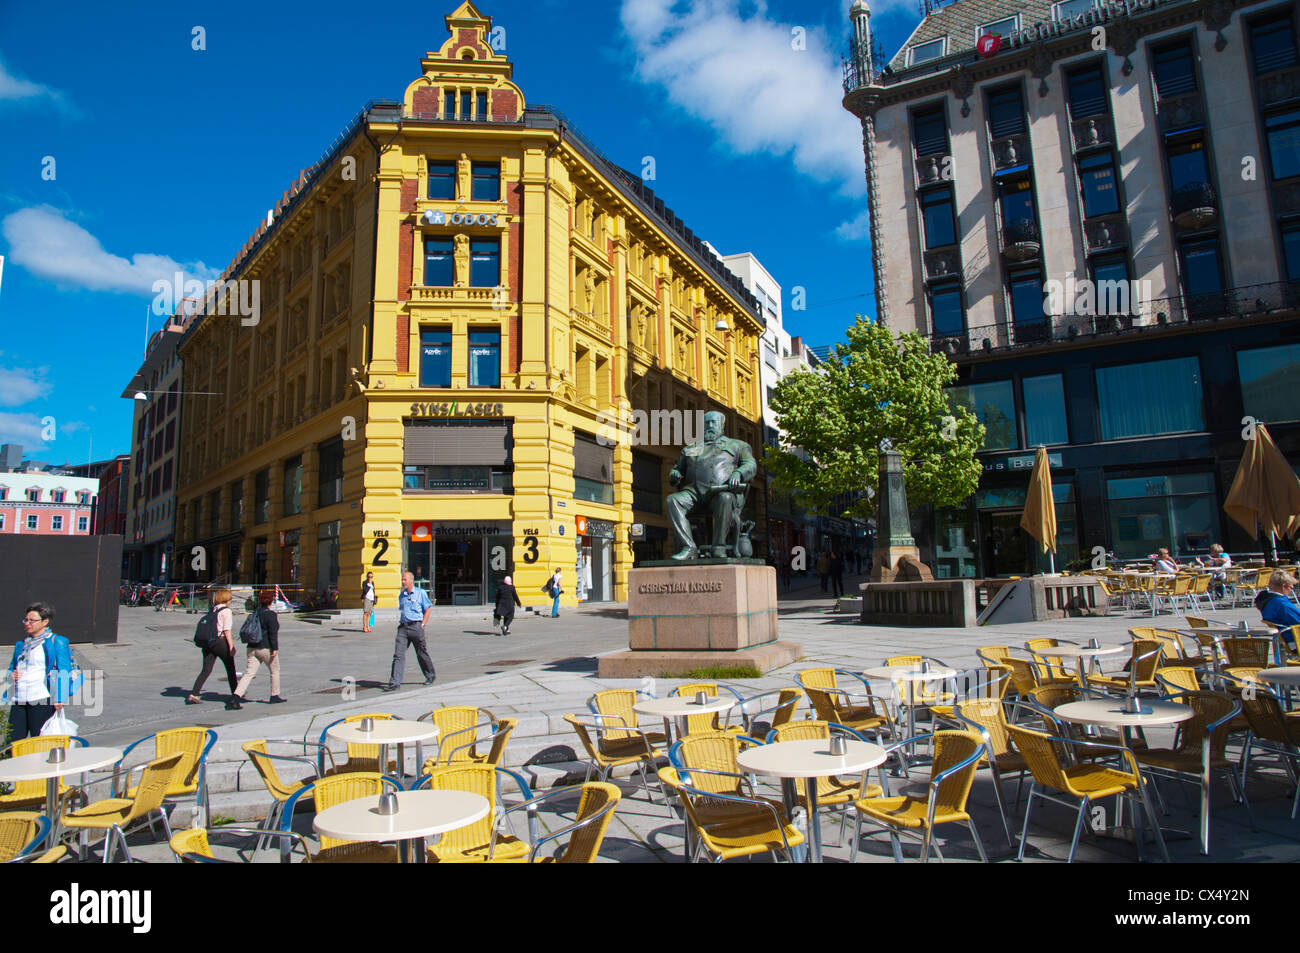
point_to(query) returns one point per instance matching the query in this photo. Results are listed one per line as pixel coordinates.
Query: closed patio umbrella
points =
(1039, 517)
(1265, 489)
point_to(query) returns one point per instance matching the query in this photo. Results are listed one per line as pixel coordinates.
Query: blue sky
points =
(166, 157)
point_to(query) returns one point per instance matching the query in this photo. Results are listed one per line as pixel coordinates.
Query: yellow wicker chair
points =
(32, 793)
(1171, 644)
(714, 721)
(992, 681)
(1196, 622)
(1144, 660)
(988, 717)
(1084, 782)
(21, 832)
(760, 720)
(703, 754)
(832, 792)
(193, 845)
(918, 693)
(1176, 679)
(630, 747)
(281, 789)
(337, 789)
(468, 734)
(1251, 652)
(863, 711)
(1024, 675)
(190, 779)
(614, 708)
(480, 841)
(114, 815)
(1272, 729)
(1052, 668)
(361, 758)
(727, 826)
(1199, 752)
(957, 755)
(586, 833)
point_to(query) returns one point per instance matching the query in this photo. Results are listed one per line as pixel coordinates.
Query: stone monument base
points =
(692, 615)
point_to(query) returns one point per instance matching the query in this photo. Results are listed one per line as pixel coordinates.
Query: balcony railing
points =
(1020, 239)
(1194, 206)
(1250, 301)
(1277, 87)
(943, 262)
(1180, 112)
(1010, 151)
(1092, 131)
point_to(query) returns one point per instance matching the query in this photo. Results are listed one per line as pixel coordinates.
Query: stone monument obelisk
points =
(895, 557)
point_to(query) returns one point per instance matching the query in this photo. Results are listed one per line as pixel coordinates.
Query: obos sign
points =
(435, 217)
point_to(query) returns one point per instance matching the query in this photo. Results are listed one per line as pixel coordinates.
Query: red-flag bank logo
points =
(989, 45)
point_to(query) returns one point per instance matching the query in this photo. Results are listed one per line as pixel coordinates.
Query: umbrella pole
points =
(1051, 562)
(1272, 545)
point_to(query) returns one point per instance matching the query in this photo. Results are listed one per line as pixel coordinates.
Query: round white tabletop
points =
(908, 673)
(419, 814)
(1110, 712)
(396, 732)
(1082, 651)
(680, 706)
(1288, 675)
(35, 767)
(809, 759)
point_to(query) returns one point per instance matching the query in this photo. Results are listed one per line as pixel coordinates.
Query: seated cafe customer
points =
(1275, 605)
(1165, 562)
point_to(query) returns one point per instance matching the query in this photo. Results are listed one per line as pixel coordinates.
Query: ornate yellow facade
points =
(528, 295)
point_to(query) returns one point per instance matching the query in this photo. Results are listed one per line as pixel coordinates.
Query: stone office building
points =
(462, 306)
(1094, 209)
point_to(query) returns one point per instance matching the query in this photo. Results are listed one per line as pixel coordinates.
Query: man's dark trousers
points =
(410, 633)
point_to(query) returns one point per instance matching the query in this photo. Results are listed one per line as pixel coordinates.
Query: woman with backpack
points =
(261, 635)
(554, 586)
(367, 601)
(38, 662)
(213, 636)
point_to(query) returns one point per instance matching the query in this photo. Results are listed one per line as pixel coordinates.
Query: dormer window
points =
(1003, 28)
(56, 496)
(924, 52)
(1069, 9)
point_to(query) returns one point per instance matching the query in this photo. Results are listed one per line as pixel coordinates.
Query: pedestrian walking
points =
(414, 609)
(39, 670)
(367, 601)
(554, 586)
(260, 634)
(785, 572)
(824, 569)
(507, 599)
(837, 575)
(213, 635)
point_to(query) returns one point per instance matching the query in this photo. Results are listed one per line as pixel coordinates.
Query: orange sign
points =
(582, 525)
(421, 532)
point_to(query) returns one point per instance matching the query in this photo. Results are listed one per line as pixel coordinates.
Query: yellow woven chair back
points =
(1181, 677)
(1042, 757)
(1196, 622)
(950, 749)
(33, 792)
(1055, 667)
(450, 719)
(1262, 580)
(1207, 708)
(257, 753)
(17, 828)
(364, 758)
(339, 788)
(1146, 667)
(1266, 720)
(716, 751)
(700, 724)
(909, 692)
(191, 841)
(584, 845)
(1053, 696)
(1247, 651)
(478, 779)
(989, 714)
(188, 743)
(1024, 676)
(1200, 584)
(155, 783)
(617, 702)
(994, 654)
(823, 678)
(496, 754)
(803, 731)
(584, 736)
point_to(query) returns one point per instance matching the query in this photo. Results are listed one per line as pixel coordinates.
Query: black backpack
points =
(250, 633)
(205, 633)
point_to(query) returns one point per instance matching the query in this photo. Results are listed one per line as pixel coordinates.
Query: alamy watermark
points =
(242, 297)
(649, 428)
(1090, 298)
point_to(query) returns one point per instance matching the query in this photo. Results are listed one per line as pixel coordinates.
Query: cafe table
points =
(1081, 652)
(420, 814)
(809, 760)
(676, 709)
(1288, 676)
(398, 732)
(910, 673)
(37, 766)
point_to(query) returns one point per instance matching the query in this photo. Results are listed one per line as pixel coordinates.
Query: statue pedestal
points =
(689, 616)
(899, 564)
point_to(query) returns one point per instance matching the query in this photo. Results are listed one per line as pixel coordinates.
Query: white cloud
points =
(742, 77)
(855, 229)
(74, 426)
(13, 89)
(23, 429)
(42, 240)
(19, 385)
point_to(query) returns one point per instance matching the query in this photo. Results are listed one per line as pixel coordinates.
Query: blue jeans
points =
(555, 606)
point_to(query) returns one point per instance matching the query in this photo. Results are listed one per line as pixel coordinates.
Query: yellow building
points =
(463, 307)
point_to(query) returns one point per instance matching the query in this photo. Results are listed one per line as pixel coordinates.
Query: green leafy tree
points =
(875, 387)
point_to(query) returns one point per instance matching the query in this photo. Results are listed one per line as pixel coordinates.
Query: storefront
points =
(983, 538)
(290, 555)
(327, 555)
(594, 566)
(1178, 512)
(458, 562)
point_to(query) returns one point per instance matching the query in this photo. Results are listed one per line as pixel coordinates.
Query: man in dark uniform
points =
(713, 471)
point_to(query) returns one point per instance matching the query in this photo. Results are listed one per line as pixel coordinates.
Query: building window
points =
(33, 496)
(485, 358)
(994, 405)
(83, 524)
(166, 477)
(1016, 199)
(480, 106)
(1068, 9)
(1179, 512)
(449, 104)
(1006, 113)
(1099, 184)
(930, 132)
(1199, 259)
(33, 522)
(83, 497)
(330, 484)
(453, 479)
(56, 523)
(2, 522)
(1137, 400)
(237, 503)
(1111, 287)
(1175, 73)
(56, 496)
(435, 357)
(1025, 291)
(1283, 133)
(1003, 28)
(442, 180)
(1187, 165)
(1290, 248)
(1044, 403)
(4, 492)
(924, 52)
(1086, 89)
(1268, 376)
(1272, 44)
(484, 262)
(487, 181)
(465, 104)
(293, 486)
(947, 316)
(647, 483)
(939, 216)
(439, 265)
(261, 498)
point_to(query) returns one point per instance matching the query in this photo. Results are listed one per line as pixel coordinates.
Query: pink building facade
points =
(47, 504)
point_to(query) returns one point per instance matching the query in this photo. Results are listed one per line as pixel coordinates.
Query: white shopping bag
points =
(59, 724)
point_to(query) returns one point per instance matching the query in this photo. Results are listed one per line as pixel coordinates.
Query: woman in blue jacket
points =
(41, 670)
